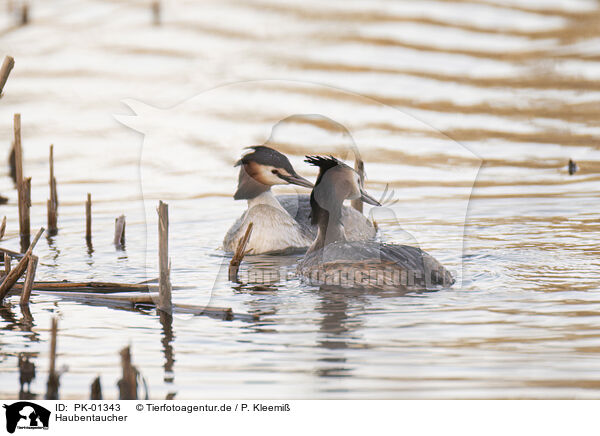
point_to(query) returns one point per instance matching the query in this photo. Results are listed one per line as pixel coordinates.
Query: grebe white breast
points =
(281, 223)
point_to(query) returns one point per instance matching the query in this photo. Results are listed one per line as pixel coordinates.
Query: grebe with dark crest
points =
(333, 260)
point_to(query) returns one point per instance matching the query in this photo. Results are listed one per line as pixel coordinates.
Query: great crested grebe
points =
(280, 223)
(332, 260)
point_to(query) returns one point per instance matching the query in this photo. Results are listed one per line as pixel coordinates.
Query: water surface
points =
(469, 110)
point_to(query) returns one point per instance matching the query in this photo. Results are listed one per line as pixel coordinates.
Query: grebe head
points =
(336, 182)
(262, 168)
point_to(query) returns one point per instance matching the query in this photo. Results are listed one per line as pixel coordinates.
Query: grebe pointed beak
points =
(295, 179)
(365, 197)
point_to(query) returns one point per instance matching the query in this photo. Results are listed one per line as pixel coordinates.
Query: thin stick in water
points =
(53, 201)
(7, 66)
(88, 218)
(29, 280)
(119, 240)
(7, 260)
(96, 393)
(236, 260)
(164, 281)
(25, 207)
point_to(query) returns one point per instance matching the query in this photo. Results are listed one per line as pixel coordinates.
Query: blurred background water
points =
(468, 109)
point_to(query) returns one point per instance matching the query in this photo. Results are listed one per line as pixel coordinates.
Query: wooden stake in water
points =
(7, 261)
(7, 66)
(164, 268)
(128, 384)
(23, 187)
(18, 149)
(240, 251)
(88, 218)
(25, 200)
(96, 393)
(53, 201)
(119, 240)
(29, 280)
(53, 377)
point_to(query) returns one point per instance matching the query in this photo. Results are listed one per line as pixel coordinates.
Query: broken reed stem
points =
(29, 280)
(23, 186)
(18, 148)
(53, 382)
(53, 201)
(88, 218)
(236, 260)
(359, 167)
(25, 200)
(119, 240)
(3, 228)
(7, 260)
(7, 66)
(128, 384)
(96, 393)
(164, 267)
(14, 275)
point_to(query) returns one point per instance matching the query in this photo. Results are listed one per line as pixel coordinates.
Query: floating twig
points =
(132, 300)
(164, 267)
(53, 376)
(128, 384)
(119, 240)
(53, 201)
(240, 250)
(96, 390)
(7, 66)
